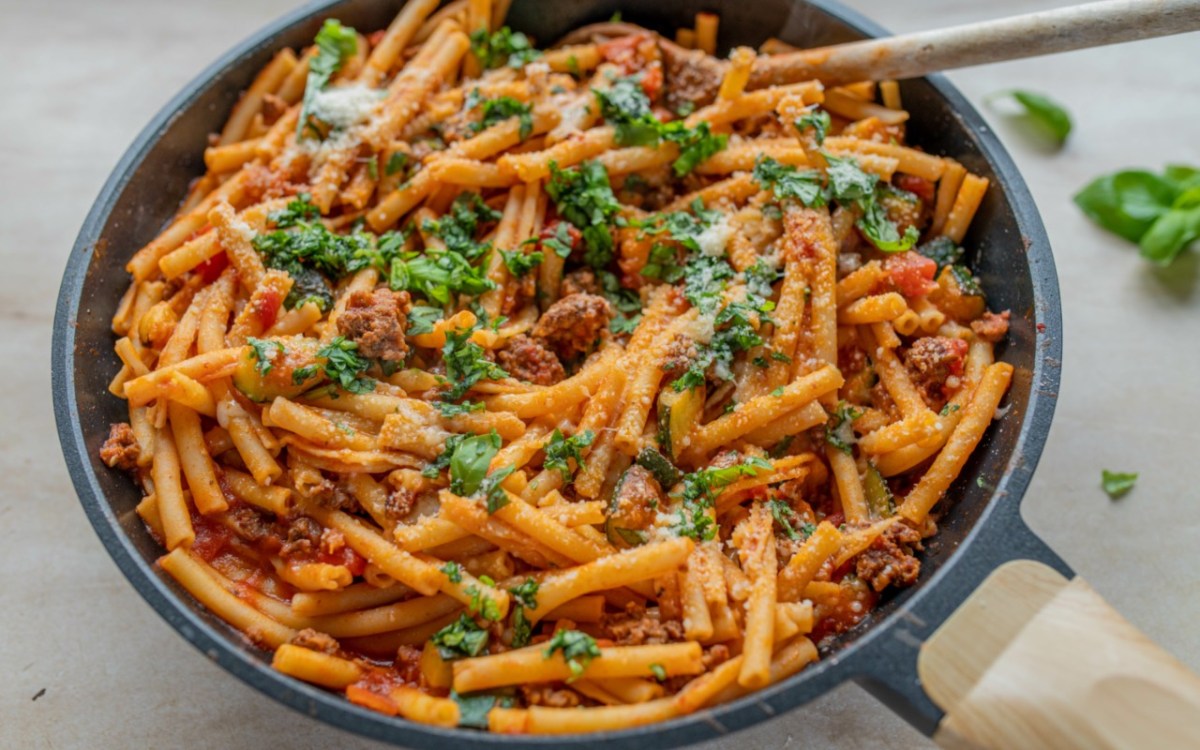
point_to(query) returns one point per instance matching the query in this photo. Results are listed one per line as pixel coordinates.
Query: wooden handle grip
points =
(1029, 35)
(1033, 661)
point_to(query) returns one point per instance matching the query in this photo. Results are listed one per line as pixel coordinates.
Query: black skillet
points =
(1010, 252)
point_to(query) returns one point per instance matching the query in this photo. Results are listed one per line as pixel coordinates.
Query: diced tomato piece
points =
(652, 81)
(623, 51)
(212, 268)
(911, 273)
(210, 539)
(267, 308)
(353, 561)
(919, 186)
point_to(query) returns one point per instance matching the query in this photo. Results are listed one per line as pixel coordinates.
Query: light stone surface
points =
(81, 78)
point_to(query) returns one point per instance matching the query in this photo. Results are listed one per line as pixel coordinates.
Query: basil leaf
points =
(1127, 203)
(469, 464)
(1048, 115)
(1116, 483)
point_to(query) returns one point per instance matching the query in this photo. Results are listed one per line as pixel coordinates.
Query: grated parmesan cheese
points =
(345, 106)
(715, 238)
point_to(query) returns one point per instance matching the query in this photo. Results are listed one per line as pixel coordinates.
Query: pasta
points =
(475, 372)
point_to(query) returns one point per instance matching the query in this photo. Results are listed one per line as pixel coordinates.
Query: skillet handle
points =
(1032, 660)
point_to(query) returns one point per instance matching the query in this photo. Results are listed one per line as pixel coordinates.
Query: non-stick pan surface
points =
(1009, 251)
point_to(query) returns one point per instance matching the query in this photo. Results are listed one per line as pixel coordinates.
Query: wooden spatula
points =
(1030, 35)
(1031, 660)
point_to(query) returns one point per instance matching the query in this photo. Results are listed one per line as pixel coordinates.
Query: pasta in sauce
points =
(551, 391)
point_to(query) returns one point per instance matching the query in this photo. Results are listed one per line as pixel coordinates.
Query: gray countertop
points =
(87, 663)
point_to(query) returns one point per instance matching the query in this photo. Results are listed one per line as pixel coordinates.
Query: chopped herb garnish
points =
(421, 319)
(466, 364)
(699, 494)
(453, 571)
(482, 605)
(448, 410)
(502, 108)
(839, 432)
(578, 649)
(524, 597)
(262, 350)
(818, 120)
(787, 182)
(519, 264)
(561, 450)
(463, 637)
(344, 366)
(659, 671)
(396, 163)
(335, 43)
(503, 47)
(783, 515)
(584, 197)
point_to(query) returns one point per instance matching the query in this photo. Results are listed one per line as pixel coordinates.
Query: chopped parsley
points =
(1116, 483)
(699, 494)
(261, 349)
(560, 451)
(448, 410)
(850, 184)
(503, 47)
(453, 571)
(421, 319)
(344, 366)
(396, 163)
(483, 605)
(301, 374)
(335, 43)
(784, 515)
(659, 671)
(787, 182)
(578, 649)
(525, 597)
(949, 409)
(626, 106)
(463, 637)
(500, 109)
(519, 264)
(839, 432)
(942, 251)
(466, 364)
(818, 120)
(300, 241)
(735, 326)
(584, 197)
(457, 229)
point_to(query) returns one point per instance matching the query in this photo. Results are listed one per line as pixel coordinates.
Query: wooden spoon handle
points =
(914, 55)
(1031, 661)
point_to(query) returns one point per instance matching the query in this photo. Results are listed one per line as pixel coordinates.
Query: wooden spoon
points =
(1029, 35)
(923, 52)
